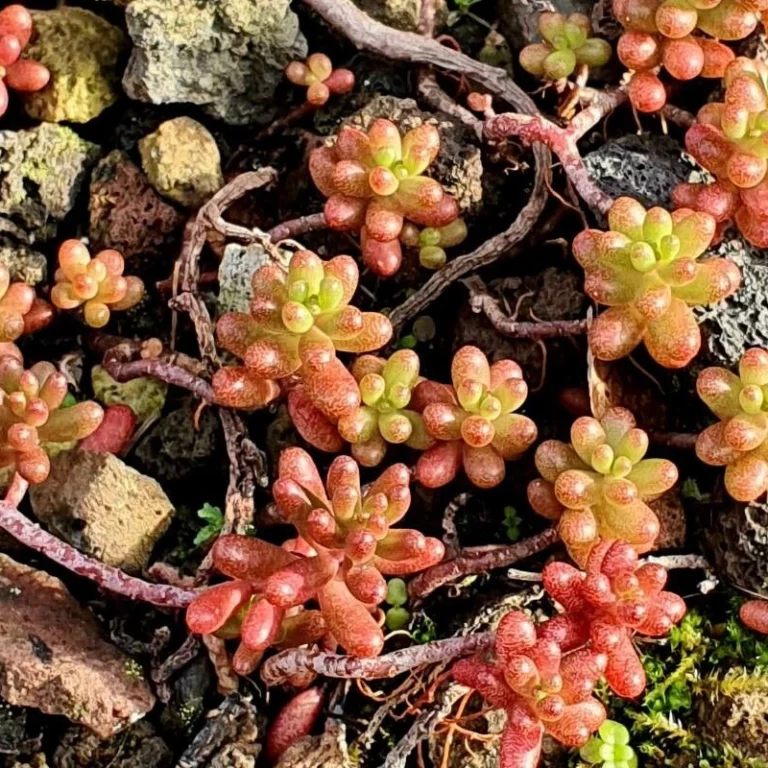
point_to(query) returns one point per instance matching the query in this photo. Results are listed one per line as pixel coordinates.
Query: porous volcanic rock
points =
(52, 656)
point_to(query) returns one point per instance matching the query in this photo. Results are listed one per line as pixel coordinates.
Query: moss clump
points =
(82, 51)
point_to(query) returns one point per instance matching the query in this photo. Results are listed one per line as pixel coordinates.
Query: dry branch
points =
(157, 369)
(286, 664)
(479, 560)
(297, 227)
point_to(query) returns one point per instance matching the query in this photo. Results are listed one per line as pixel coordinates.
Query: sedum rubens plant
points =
(346, 546)
(374, 182)
(432, 241)
(541, 690)
(659, 33)
(567, 44)
(646, 269)
(31, 416)
(320, 79)
(299, 319)
(730, 140)
(596, 486)
(96, 284)
(739, 441)
(474, 422)
(754, 614)
(23, 75)
(544, 676)
(386, 388)
(20, 309)
(606, 606)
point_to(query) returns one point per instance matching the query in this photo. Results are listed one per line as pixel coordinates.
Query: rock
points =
(458, 166)
(174, 450)
(41, 172)
(739, 721)
(182, 161)
(137, 746)
(519, 19)
(235, 272)
(669, 509)
(645, 167)
(103, 507)
(226, 55)
(14, 735)
(741, 321)
(736, 536)
(23, 262)
(127, 214)
(329, 749)
(401, 14)
(82, 50)
(188, 691)
(52, 656)
(144, 396)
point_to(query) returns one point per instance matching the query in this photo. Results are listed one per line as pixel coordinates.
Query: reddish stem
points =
(295, 661)
(112, 579)
(562, 141)
(294, 228)
(684, 441)
(479, 560)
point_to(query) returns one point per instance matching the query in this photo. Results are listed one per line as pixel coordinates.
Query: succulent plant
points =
(646, 269)
(384, 417)
(729, 139)
(660, 33)
(23, 75)
(346, 546)
(96, 284)
(298, 321)
(375, 181)
(596, 486)
(567, 43)
(20, 309)
(739, 441)
(474, 421)
(610, 748)
(320, 78)
(31, 416)
(432, 241)
(754, 614)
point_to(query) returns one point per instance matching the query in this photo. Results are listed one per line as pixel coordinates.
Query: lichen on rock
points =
(82, 51)
(127, 214)
(52, 656)
(103, 507)
(41, 172)
(225, 55)
(144, 396)
(235, 273)
(401, 14)
(182, 161)
(23, 263)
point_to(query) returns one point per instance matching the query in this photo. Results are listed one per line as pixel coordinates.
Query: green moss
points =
(144, 396)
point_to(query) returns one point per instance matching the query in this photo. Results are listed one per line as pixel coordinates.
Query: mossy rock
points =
(144, 396)
(83, 53)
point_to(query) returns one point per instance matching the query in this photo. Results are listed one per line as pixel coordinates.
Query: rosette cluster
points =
(346, 545)
(730, 139)
(668, 34)
(375, 182)
(20, 309)
(474, 422)
(31, 416)
(646, 269)
(567, 43)
(596, 486)
(22, 75)
(96, 284)
(298, 321)
(738, 441)
(320, 79)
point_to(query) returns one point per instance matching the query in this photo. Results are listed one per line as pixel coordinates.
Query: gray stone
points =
(176, 448)
(52, 656)
(23, 262)
(225, 55)
(41, 172)
(741, 320)
(519, 19)
(103, 507)
(645, 167)
(458, 166)
(235, 273)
